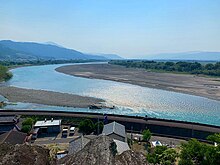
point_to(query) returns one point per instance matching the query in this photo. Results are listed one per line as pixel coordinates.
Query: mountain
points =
(7, 54)
(53, 43)
(108, 56)
(195, 55)
(31, 50)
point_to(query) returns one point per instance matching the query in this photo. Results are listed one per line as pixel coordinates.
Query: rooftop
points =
(121, 146)
(114, 127)
(13, 137)
(7, 119)
(46, 123)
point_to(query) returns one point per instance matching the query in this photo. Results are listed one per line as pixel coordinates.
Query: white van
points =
(72, 130)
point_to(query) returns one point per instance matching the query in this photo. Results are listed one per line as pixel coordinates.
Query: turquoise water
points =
(129, 99)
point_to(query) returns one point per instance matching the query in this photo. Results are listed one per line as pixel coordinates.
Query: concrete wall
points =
(166, 131)
(54, 129)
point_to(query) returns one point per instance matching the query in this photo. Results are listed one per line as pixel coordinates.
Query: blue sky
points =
(131, 28)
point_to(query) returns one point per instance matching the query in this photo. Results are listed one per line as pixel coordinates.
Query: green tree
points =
(4, 73)
(86, 126)
(168, 157)
(146, 135)
(195, 152)
(98, 127)
(26, 128)
(214, 138)
(155, 154)
(28, 121)
(27, 125)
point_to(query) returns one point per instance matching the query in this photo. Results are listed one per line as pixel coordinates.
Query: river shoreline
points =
(188, 84)
(14, 94)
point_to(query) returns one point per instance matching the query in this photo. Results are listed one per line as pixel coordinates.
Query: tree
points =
(214, 138)
(168, 156)
(162, 155)
(28, 121)
(27, 125)
(98, 127)
(26, 128)
(146, 135)
(195, 152)
(86, 126)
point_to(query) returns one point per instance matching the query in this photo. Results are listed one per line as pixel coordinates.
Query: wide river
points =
(129, 99)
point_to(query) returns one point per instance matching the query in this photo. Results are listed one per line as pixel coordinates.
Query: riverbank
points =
(189, 84)
(14, 94)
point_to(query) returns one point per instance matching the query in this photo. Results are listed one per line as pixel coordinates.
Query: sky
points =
(130, 28)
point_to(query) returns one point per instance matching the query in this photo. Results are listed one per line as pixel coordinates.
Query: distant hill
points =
(7, 54)
(53, 43)
(31, 51)
(108, 56)
(197, 56)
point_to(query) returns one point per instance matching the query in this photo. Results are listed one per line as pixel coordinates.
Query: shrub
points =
(26, 128)
(146, 135)
(86, 126)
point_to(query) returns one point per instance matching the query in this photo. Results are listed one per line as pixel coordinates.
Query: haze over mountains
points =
(194, 56)
(27, 51)
(30, 51)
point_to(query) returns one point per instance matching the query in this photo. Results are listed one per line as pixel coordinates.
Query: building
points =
(79, 143)
(48, 126)
(121, 146)
(13, 137)
(7, 123)
(115, 131)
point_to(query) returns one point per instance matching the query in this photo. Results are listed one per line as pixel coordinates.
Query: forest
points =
(210, 69)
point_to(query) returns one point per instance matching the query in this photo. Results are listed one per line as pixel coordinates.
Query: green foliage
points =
(98, 127)
(146, 135)
(28, 121)
(184, 67)
(43, 62)
(162, 155)
(27, 125)
(86, 126)
(195, 152)
(4, 73)
(214, 138)
(168, 156)
(26, 128)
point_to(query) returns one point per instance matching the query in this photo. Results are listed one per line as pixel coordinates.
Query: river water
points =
(129, 99)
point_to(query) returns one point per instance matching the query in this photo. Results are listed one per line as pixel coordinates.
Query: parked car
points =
(72, 130)
(65, 131)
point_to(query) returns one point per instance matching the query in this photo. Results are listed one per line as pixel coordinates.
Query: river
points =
(129, 99)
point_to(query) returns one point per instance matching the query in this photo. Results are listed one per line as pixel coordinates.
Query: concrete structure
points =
(7, 123)
(121, 146)
(79, 143)
(48, 126)
(115, 131)
(162, 127)
(13, 137)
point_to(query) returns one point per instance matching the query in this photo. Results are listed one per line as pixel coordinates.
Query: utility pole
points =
(131, 137)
